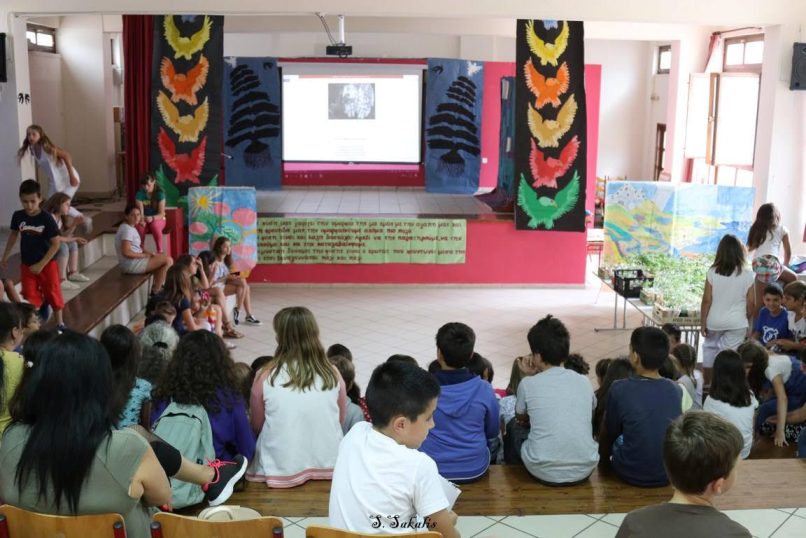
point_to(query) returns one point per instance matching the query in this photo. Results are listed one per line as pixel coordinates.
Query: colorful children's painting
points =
(227, 211)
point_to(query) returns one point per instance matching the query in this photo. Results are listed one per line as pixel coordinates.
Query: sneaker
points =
(77, 277)
(227, 473)
(44, 312)
(61, 328)
(252, 320)
(67, 285)
(236, 313)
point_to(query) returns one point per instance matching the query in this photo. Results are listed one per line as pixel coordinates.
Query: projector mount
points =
(339, 48)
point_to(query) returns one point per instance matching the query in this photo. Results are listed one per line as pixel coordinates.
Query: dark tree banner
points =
(186, 103)
(454, 91)
(550, 126)
(252, 123)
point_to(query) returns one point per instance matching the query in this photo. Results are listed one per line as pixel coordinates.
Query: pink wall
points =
(496, 253)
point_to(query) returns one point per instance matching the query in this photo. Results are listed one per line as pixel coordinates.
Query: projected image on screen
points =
(353, 101)
(352, 114)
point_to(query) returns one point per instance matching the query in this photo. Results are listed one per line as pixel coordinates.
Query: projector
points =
(340, 50)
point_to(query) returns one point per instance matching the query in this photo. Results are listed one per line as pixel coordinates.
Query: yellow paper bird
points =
(549, 132)
(186, 47)
(187, 127)
(547, 53)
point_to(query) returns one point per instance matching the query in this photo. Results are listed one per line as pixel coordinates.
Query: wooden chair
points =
(316, 531)
(19, 523)
(167, 525)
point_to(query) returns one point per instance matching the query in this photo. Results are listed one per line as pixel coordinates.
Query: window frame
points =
(742, 67)
(41, 29)
(660, 149)
(661, 50)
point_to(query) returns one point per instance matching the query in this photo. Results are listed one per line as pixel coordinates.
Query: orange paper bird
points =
(549, 132)
(186, 47)
(548, 53)
(187, 166)
(546, 90)
(185, 85)
(187, 127)
(545, 171)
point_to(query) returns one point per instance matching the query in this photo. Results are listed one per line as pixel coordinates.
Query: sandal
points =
(229, 332)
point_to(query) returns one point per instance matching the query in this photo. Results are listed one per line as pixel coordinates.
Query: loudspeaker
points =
(3, 75)
(798, 80)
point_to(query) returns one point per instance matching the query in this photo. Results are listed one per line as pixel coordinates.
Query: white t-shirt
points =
(560, 447)
(127, 233)
(779, 365)
(728, 300)
(797, 328)
(741, 417)
(772, 245)
(376, 476)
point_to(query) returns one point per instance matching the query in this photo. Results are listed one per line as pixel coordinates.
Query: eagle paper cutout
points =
(549, 132)
(186, 47)
(186, 165)
(184, 85)
(546, 90)
(544, 210)
(548, 53)
(187, 127)
(545, 171)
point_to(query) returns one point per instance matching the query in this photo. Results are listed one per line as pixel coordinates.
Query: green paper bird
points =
(544, 210)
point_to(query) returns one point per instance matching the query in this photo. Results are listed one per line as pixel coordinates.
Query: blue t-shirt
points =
(179, 323)
(35, 234)
(771, 328)
(639, 410)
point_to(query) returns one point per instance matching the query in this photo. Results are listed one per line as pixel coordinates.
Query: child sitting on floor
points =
(690, 378)
(700, 452)
(353, 413)
(381, 482)
(772, 322)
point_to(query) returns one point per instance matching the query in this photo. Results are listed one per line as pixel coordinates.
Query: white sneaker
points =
(67, 285)
(78, 277)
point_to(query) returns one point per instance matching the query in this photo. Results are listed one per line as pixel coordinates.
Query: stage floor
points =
(368, 201)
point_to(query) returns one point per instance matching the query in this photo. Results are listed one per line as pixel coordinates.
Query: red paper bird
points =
(546, 90)
(187, 166)
(184, 85)
(545, 171)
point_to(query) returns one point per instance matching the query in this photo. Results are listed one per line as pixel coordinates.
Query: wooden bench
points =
(510, 490)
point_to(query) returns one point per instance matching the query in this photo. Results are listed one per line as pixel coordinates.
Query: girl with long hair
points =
(619, 368)
(690, 378)
(132, 258)
(151, 201)
(58, 205)
(297, 396)
(730, 396)
(727, 302)
(768, 237)
(195, 269)
(231, 284)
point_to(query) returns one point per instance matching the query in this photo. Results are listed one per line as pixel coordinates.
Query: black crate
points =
(628, 282)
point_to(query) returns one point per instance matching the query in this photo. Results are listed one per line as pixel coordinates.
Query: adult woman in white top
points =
(131, 256)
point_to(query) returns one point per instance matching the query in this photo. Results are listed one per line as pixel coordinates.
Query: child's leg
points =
(48, 281)
(72, 258)
(235, 288)
(247, 297)
(219, 298)
(30, 286)
(710, 348)
(61, 258)
(788, 275)
(141, 231)
(156, 227)
(11, 291)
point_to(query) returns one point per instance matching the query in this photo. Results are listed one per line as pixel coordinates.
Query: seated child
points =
(601, 372)
(794, 300)
(560, 449)
(690, 378)
(617, 368)
(467, 412)
(673, 332)
(700, 452)
(772, 322)
(381, 482)
(353, 413)
(638, 411)
(577, 363)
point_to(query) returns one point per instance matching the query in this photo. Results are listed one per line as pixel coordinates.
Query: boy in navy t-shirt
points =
(39, 242)
(639, 409)
(772, 322)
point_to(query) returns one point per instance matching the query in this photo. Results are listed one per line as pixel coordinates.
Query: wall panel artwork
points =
(453, 100)
(186, 103)
(227, 211)
(252, 123)
(550, 126)
(679, 219)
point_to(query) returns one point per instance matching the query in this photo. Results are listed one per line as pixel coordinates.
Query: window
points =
(41, 38)
(664, 60)
(744, 53)
(660, 149)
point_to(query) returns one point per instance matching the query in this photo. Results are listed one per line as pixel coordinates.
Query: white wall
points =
(47, 104)
(86, 83)
(655, 109)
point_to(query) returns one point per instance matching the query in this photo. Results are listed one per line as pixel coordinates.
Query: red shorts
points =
(44, 287)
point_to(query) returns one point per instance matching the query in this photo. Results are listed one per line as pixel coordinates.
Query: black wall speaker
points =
(3, 74)
(798, 80)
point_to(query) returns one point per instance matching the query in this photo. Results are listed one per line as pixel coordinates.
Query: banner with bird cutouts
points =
(186, 103)
(550, 126)
(252, 123)
(454, 92)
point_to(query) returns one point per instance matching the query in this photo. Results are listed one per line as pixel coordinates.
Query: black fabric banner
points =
(550, 126)
(186, 103)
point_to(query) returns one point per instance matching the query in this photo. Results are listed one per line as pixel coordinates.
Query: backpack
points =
(187, 429)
